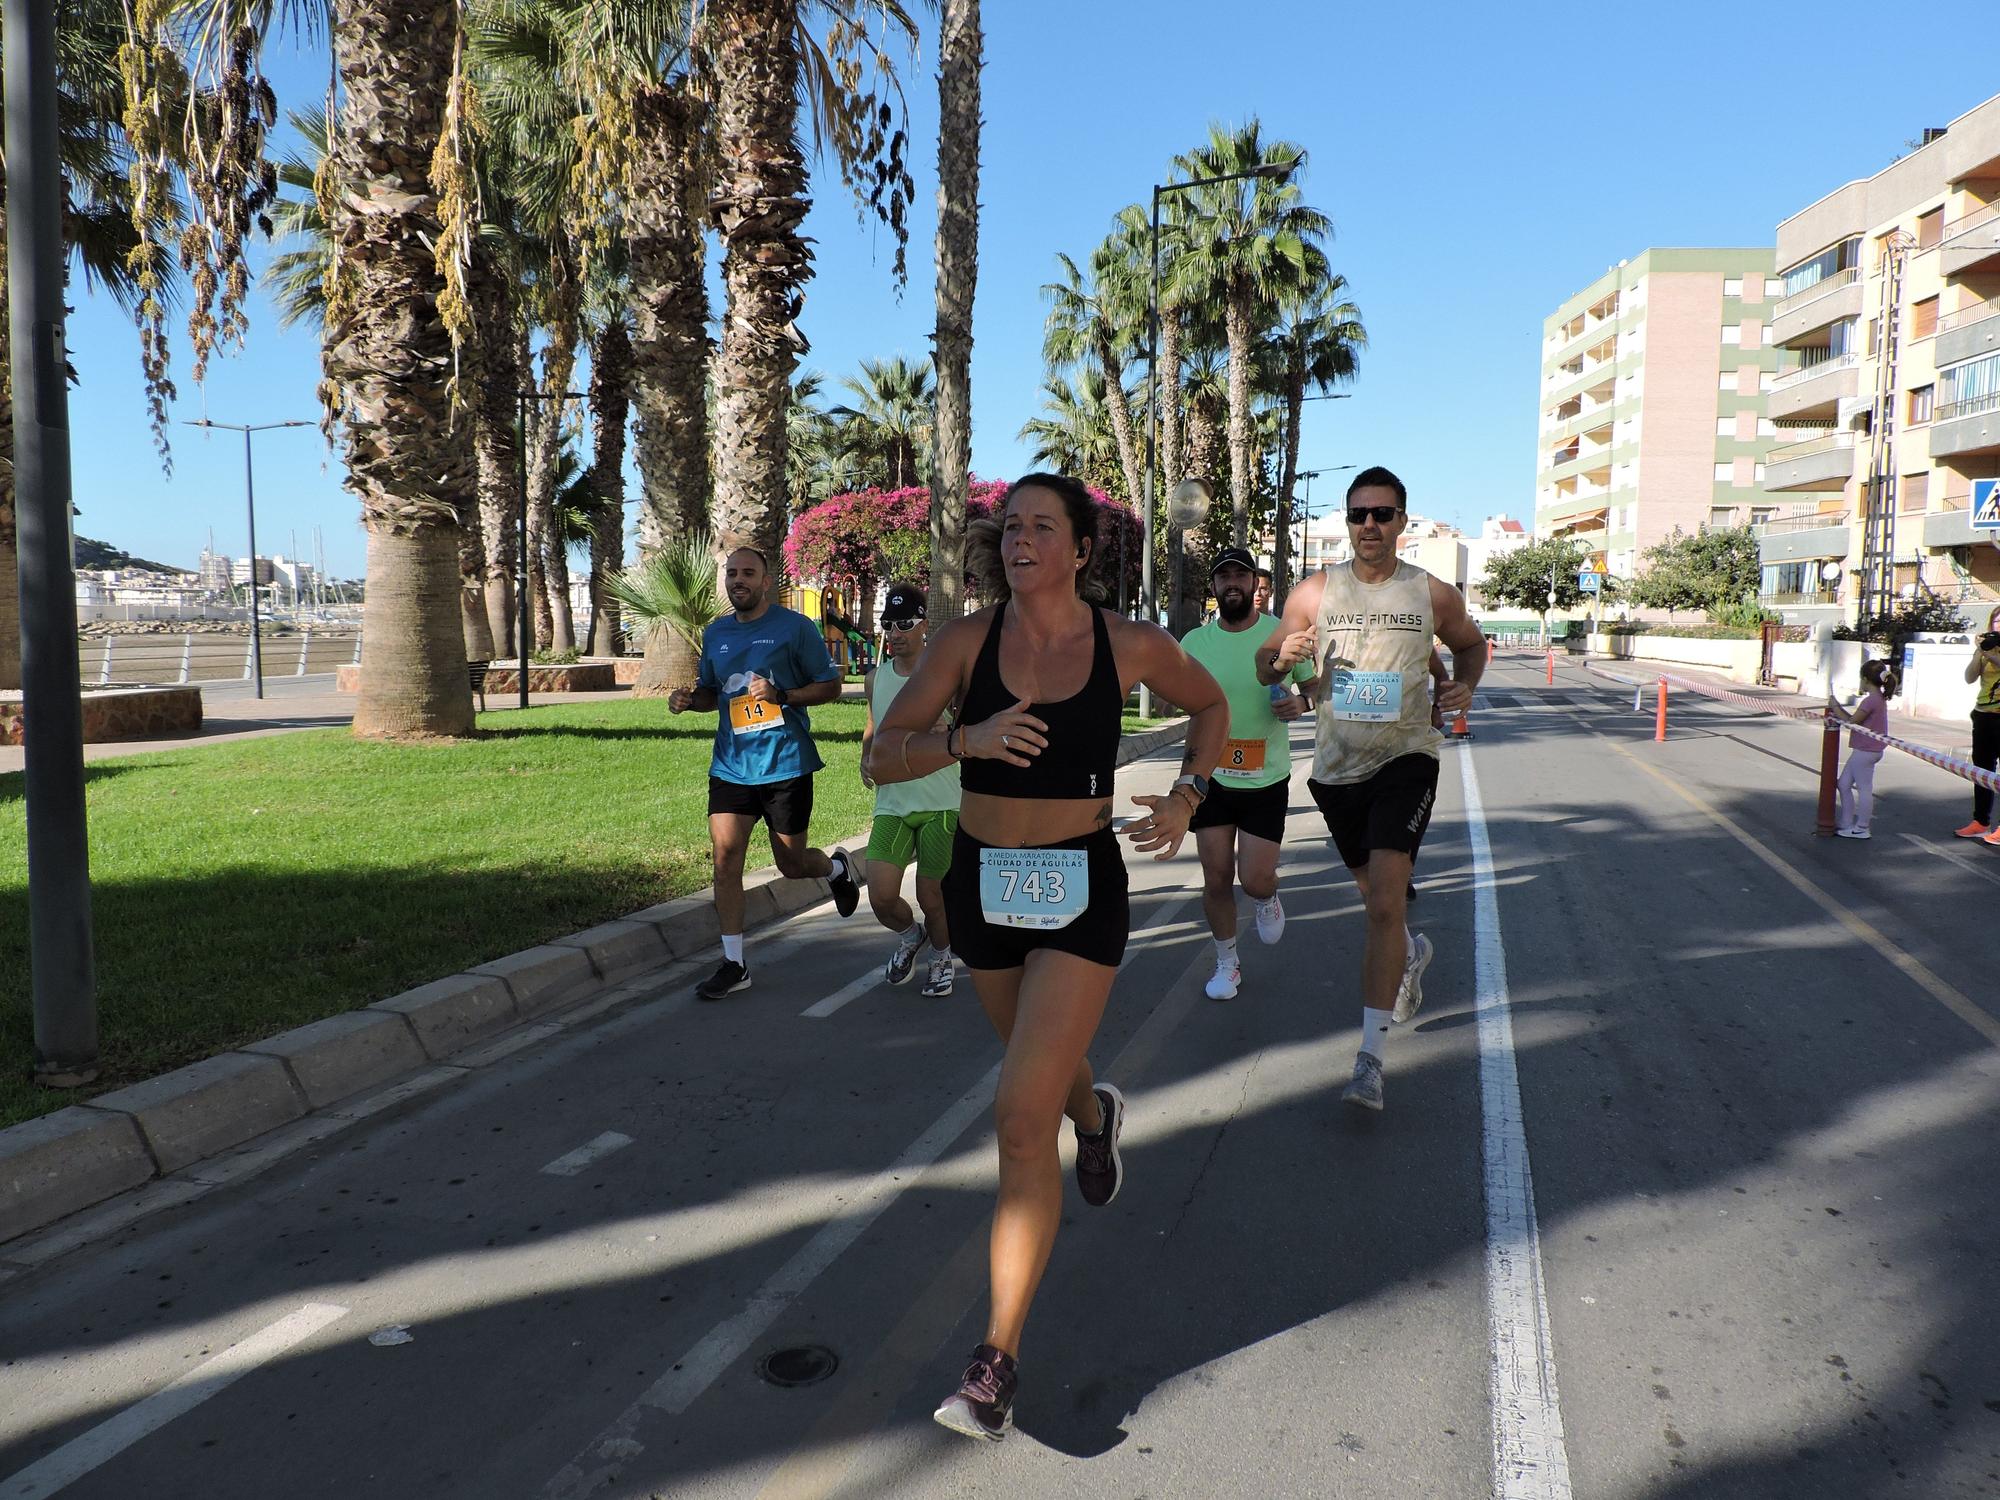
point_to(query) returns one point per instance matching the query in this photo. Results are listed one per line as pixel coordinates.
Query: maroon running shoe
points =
(1100, 1171)
(983, 1404)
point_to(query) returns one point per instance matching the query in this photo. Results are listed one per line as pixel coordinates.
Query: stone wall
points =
(144, 713)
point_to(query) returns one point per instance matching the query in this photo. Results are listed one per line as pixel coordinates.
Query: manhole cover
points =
(807, 1364)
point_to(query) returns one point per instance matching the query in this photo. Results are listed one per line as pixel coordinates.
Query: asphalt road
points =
(1758, 1084)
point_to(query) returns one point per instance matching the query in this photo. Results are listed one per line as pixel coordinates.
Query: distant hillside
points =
(91, 554)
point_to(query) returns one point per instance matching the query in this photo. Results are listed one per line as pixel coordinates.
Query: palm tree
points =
(1075, 434)
(1242, 241)
(1090, 319)
(1316, 347)
(960, 58)
(671, 598)
(388, 360)
(610, 404)
(890, 425)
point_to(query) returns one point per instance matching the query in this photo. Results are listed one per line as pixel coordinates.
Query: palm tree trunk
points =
(1242, 457)
(610, 405)
(1295, 404)
(387, 353)
(1120, 411)
(10, 577)
(758, 205)
(1173, 468)
(472, 621)
(668, 298)
(495, 443)
(960, 58)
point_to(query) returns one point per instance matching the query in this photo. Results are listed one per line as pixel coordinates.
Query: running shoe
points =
(1364, 1090)
(904, 959)
(1973, 830)
(1225, 982)
(1271, 920)
(938, 982)
(1410, 994)
(1099, 1169)
(1992, 838)
(846, 894)
(983, 1404)
(726, 980)
(1856, 833)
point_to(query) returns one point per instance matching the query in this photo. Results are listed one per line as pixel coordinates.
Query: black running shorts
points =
(786, 806)
(1098, 933)
(1258, 811)
(1390, 810)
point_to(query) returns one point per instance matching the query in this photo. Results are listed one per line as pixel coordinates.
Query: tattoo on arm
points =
(1187, 759)
(1103, 819)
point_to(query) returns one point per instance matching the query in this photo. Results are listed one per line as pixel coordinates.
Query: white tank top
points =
(1371, 700)
(937, 792)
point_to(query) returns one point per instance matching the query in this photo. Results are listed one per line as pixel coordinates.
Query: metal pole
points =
(62, 963)
(1148, 590)
(521, 636)
(256, 622)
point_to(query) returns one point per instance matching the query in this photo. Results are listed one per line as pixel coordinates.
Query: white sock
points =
(943, 953)
(1267, 905)
(1409, 946)
(1374, 1027)
(840, 870)
(1225, 953)
(914, 934)
(732, 947)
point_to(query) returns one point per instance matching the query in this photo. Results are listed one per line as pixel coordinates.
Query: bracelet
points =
(959, 753)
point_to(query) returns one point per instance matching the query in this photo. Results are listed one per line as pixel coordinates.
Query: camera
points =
(1989, 640)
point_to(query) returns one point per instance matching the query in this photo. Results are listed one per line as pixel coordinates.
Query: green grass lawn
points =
(243, 888)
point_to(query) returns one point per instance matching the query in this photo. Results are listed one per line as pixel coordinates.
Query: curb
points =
(306, 1083)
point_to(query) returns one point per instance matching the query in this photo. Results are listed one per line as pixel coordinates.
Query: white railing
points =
(1965, 317)
(1826, 443)
(1810, 372)
(1969, 222)
(1824, 287)
(156, 659)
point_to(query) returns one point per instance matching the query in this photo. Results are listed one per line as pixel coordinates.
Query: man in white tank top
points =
(1367, 626)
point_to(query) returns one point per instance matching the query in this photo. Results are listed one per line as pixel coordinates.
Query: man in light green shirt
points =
(1241, 823)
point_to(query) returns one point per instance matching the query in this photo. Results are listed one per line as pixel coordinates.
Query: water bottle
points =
(1280, 691)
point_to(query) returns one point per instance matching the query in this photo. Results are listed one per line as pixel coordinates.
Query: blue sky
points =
(1479, 162)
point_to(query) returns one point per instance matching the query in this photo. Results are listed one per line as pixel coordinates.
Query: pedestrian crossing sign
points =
(1986, 505)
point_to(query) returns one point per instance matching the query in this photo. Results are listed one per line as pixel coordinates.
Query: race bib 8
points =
(1241, 758)
(1039, 888)
(748, 715)
(1366, 697)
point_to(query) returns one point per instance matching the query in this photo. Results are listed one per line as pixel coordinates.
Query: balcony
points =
(1819, 306)
(1814, 389)
(1971, 242)
(1967, 334)
(1821, 463)
(1950, 528)
(1966, 427)
(1802, 538)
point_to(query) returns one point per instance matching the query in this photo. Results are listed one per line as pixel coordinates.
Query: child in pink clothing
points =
(1857, 777)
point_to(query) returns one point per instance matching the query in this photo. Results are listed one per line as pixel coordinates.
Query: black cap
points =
(1240, 556)
(903, 603)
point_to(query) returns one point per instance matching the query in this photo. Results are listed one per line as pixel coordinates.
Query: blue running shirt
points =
(754, 745)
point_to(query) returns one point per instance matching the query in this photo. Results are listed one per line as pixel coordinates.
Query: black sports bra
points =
(1083, 734)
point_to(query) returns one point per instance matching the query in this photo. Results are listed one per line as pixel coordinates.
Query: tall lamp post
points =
(1276, 171)
(1305, 518)
(250, 505)
(1280, 575)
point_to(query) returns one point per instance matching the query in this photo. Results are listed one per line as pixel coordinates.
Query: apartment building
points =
(1890, 395)
(1652, 402)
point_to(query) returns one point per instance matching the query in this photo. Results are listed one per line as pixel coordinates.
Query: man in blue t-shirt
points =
(762, 667)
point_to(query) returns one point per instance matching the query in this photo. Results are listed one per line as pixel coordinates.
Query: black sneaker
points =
(846, 893)
(983, 1404)
(1099, 1170)
(726, 980)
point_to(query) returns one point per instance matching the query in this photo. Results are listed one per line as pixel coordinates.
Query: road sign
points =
(1589, 582)
(1986, 505)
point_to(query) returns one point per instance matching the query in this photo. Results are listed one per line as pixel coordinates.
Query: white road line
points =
(107, 1440)
(593, 1150)
(1529, 1459)
(724, 1344)
(854, 991)
(1954, 856)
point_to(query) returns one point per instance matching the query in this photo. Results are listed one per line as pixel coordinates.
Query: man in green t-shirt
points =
(1241, 823)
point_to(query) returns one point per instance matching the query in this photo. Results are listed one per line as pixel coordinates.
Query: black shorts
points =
(1390, 810)
(1098, 933)
(786, 806)
(1258, 811)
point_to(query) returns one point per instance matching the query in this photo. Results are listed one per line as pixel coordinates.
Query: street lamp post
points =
(1305, 520)
(1149, 599)
(1280, 578)
(250, 505)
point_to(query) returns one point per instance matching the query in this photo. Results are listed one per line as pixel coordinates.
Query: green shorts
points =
(927, 835)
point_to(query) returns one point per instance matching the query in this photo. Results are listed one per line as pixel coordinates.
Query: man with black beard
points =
(1241, 823)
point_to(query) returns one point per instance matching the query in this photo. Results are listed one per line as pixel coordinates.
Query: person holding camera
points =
(1984, 669)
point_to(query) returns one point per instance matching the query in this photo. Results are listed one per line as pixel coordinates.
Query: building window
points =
(1726, 381)
(1921, 403)
(1971, 387)
(1923, 318)
(1725, 427)
(1913, 492)
(1829, 262)
(1930, 228)
(1721, 517)
(1725, 472)
(1757, 476)
(1731, 335)
(1732, 286)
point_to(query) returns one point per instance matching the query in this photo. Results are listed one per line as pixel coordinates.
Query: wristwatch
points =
(1197, 784)
(784, 695)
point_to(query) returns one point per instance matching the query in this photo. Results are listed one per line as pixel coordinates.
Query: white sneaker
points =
(1271, 920)
(1851, 833)
(1227, 980)
(938, 982)
(1410, 994)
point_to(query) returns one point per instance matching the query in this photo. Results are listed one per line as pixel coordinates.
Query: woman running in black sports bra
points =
(1036, 894)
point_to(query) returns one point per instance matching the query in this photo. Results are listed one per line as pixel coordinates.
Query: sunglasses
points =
(910, 624)
(1381, 515)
